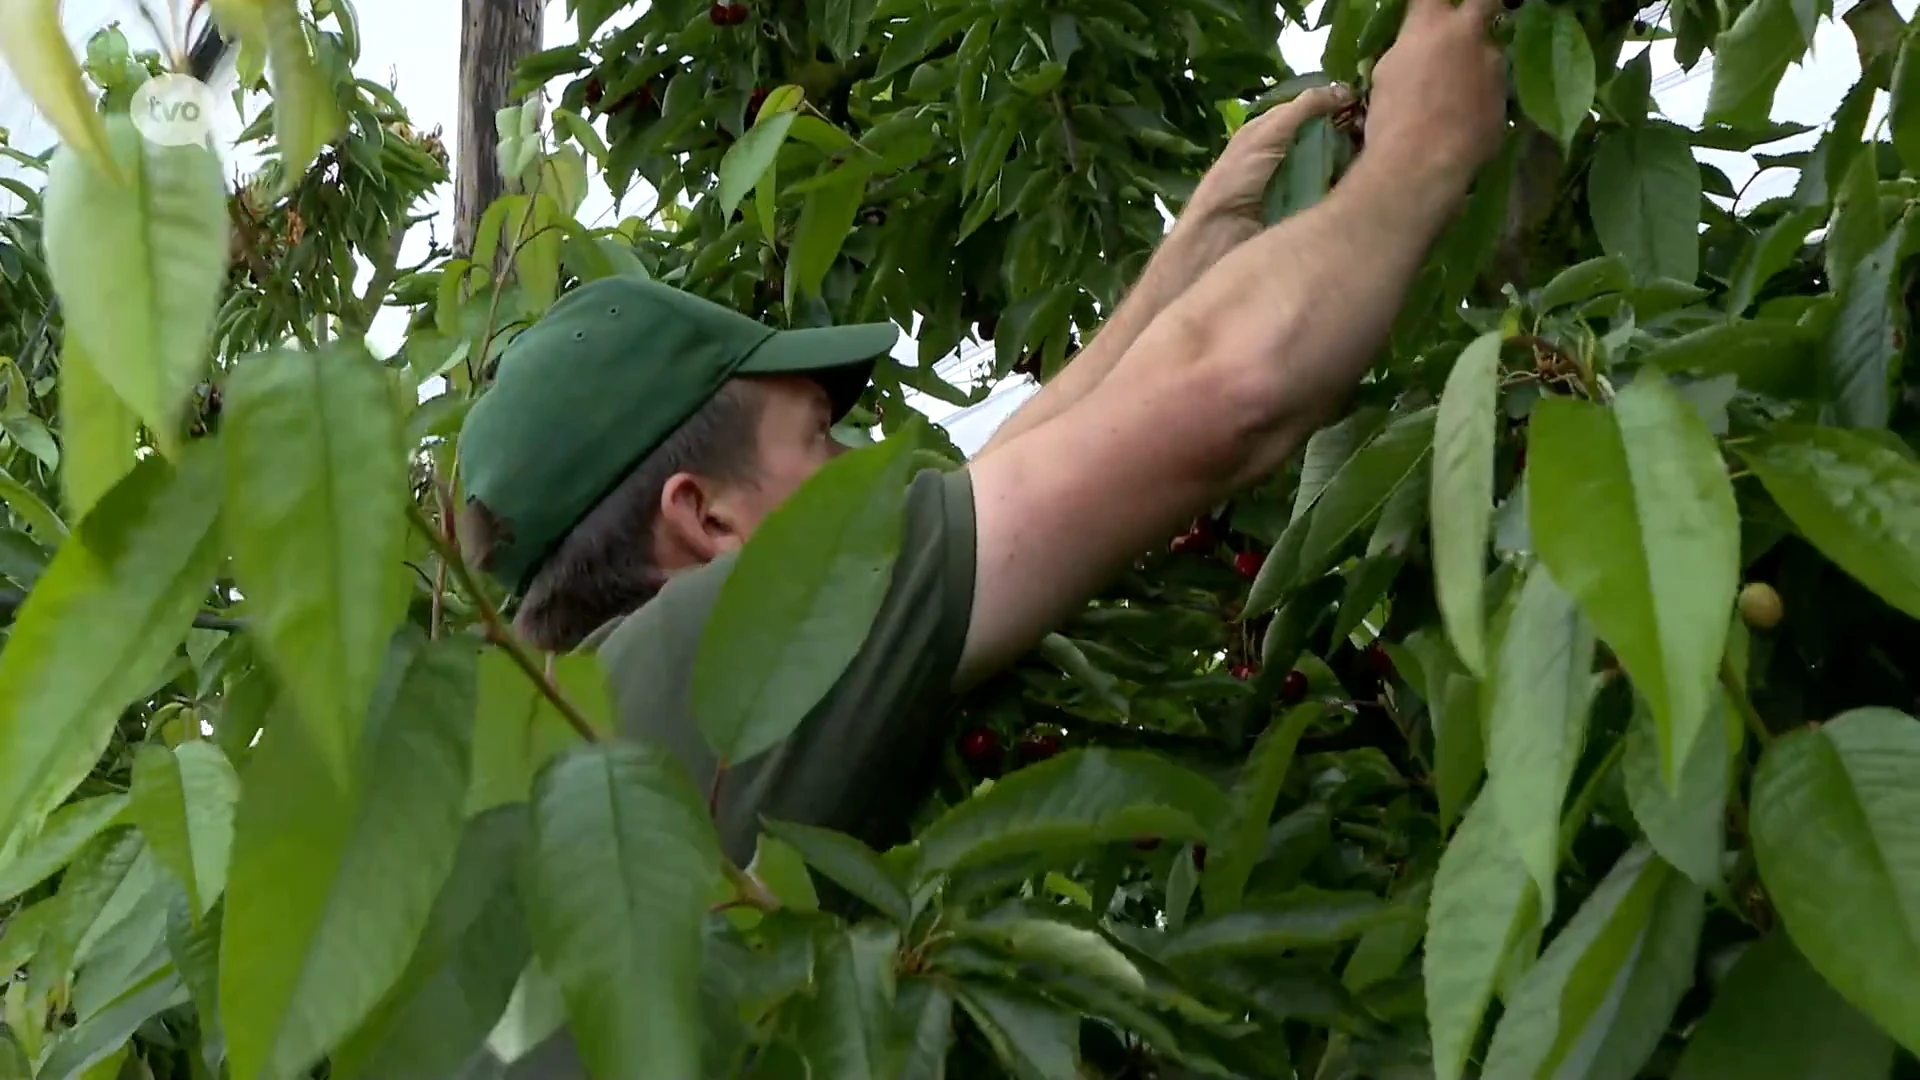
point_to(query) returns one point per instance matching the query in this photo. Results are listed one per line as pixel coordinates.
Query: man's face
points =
(796, 439)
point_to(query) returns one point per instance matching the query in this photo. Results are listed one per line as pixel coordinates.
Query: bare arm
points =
(1228, 381)
(1225, 212)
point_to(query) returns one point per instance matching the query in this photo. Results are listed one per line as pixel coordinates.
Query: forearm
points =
(1181, 258)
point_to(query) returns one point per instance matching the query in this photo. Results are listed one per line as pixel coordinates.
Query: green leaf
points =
(314, 454)
(1063, 946)
(67, 830)
(100, 626)
(783, 870)
(1865, 339)
(1078, 799)
(1362, 487)
(1462, 498)
(1553, 69)
(1540, 693)
(458, 981)
(1304, 919)
(305, 116)
(34, 513)
(1485, 905)
(1385, 949)
(1644, 193)
(1632, 510)
(1686, 823)
(1749, 60)
(844, 1027)
(1034, 1039)
(1774, 1018)
(146, 331)
(1903, 111)
(1307, 173)
(1762, 354)
(1460, 747)
(1832, 821)
(99, 1036)
(1851, 496)
(845, 27)
(96, 429)
(183, 802)
(749, 159)
(799, 601)
(924, 1009)
(624, 859)
(849, 864)
(33, 42)
(518, 729)
(1769, 253)
(1857, 227)
(1581, 282)
(1601, 996)
(333, 880)
(1244, 833)
(825, 220)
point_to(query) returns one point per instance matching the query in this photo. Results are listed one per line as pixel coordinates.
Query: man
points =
(637, 435)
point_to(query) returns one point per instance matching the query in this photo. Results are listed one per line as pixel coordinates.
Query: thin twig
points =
(450, 530)
(11, 601)
(497, 631)
(1743, 705)
(713, 791)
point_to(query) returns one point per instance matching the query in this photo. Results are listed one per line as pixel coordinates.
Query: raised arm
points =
(1233, 376)
(1226, 211)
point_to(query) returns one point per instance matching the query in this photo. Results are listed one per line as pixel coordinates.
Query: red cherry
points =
(1199, 856)
(1382, 663)
(726, 13)
(1520, 458)
(1293, 689)
(594, 91)
(1243, 672)
(980, 746)
(754, 102)
(1146, 843)
(1247, 564)
(1039, 747)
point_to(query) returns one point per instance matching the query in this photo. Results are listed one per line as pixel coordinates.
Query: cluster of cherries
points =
(727, 14)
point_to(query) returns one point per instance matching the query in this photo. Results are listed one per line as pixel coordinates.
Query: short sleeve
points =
(865, 754)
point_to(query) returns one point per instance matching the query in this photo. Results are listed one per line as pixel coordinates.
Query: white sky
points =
(416, 44)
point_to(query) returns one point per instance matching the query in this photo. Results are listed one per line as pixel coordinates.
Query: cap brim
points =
(841, 357)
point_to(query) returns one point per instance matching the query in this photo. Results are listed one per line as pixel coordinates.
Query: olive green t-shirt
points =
(862, 759)
(864, 756)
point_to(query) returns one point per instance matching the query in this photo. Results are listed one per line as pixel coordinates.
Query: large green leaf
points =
(1601, 996)
(1553, 68)
(1866, 337)
(844, 27)
(1854, 498)
(1833, 813)
(623, 864)
(1484, 906)
(849, 864)
(139, 261)
(1685, 823)
(750, 158)
(314, 454)
(1306, 918)
(1033, 1038)
(1362, 487)
(1644, 192)
(33, 42)
(1537, 721)
(333, 879)
(1771, 252)
(101, 1035)
(1632, 510)
(305, 115)
(100, 625)
(517, 728)
(470, 956)
(1243, 838)
(1078, 799)
(799, 601)
(32, 510)
(1774, 1018)
(1749, 60)
(183, 802)
(67, 830)
(1903, 111)
(825, 220)
(1306, 174)
(96, 433)
(1462, 499)
(1857, 226)
(845, 1028)
(1764, 355)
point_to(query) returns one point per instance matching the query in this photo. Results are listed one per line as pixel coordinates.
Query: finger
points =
(1276, 127)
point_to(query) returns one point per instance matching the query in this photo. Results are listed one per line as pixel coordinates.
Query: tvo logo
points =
(174, 110)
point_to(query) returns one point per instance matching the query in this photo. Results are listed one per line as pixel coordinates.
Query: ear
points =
(699, 521)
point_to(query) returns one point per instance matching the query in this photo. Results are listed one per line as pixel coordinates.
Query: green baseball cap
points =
(601, 381)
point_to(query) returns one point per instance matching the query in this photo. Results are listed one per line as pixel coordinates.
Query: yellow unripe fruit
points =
(1760, 606)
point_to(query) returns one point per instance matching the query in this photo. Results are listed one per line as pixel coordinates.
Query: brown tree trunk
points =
(495, 35)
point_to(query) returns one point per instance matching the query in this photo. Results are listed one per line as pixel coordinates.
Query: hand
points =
(1229, 206)
(1438, 108)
